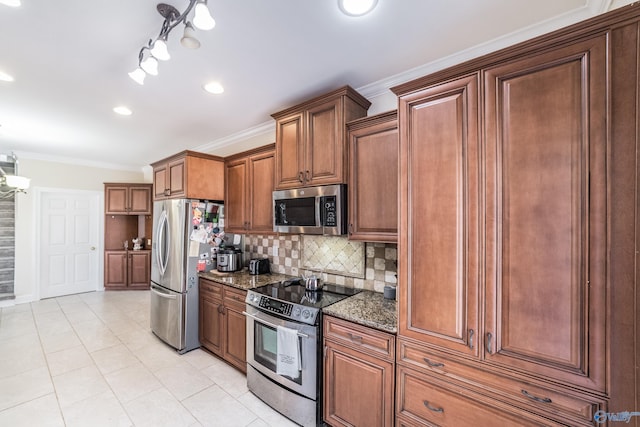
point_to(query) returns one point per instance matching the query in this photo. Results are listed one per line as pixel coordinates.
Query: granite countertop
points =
(243, 280)
(367, 308)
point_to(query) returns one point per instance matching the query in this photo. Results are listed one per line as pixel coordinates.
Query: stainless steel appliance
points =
(311, 210)
(290, 306)
(182, 232)
(259, 266)
(229, 259)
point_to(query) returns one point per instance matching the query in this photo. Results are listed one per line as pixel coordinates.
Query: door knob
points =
(93, 248)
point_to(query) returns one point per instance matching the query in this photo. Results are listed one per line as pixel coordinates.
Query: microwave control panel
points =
(329, 211)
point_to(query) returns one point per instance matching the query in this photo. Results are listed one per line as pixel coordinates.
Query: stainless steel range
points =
(273, 312)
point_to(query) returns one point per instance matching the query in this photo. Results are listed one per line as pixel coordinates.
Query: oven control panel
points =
(289, 310)
(275, 306)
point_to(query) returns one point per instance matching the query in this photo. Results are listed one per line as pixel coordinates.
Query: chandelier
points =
(157, 49)
(11, 184)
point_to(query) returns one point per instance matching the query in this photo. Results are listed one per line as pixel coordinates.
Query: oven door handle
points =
(300, 334)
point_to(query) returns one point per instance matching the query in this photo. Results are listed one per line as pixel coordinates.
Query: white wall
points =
(50, 174)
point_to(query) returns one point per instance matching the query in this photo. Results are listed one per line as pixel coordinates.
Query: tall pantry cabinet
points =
(518, 297)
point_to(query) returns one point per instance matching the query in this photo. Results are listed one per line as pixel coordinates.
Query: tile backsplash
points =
(361, 265)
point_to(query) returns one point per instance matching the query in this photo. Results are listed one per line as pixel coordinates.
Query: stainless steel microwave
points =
(311, 210)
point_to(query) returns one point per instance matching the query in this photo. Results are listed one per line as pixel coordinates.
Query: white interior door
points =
(68, 242)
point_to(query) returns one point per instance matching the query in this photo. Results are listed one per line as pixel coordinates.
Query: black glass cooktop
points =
(295, 292)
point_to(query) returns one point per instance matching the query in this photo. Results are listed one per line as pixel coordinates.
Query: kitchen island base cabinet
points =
(222, 326)
(358, 375)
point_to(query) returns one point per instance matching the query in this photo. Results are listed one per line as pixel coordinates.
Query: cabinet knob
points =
(306, 178)
(301, 177)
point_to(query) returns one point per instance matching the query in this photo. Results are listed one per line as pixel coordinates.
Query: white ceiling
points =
(70, 60)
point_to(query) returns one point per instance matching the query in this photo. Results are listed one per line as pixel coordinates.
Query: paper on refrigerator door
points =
(194, 248)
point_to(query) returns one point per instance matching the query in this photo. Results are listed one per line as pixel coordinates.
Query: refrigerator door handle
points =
(162, 294)
(162, 238)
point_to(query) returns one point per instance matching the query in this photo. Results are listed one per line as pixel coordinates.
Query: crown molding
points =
(382, 87)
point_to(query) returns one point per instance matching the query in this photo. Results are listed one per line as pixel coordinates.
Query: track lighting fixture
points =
(157, 49)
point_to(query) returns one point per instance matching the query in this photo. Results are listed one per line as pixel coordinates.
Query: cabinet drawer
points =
(554, 401)
(234, 298)
(360, 337)
(426, 400)
(210, 288)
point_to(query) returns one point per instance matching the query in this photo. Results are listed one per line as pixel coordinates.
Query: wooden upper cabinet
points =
(546, 213)
(439, 222)
(310, 139)
(235, 201)
(249, 184)
(129, 199)
(373, 178)
(189, 175)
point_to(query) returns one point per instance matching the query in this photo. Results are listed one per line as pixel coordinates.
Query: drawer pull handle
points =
(431, 408)
(536, 398)
(355, 337)
(433, 364)
(301, 176)
(471, 333)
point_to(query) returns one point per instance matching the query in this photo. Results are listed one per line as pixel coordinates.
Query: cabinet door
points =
(325, 149)
(235, 196)
(235, 335)
(139, 266)
(373, 181)
(290, 151)
(116, 200)
(358, 388)
(260, 190)
(211, 322)
(439, 154)
(160, 182)
(140, 200)
(176, 178)
(115, 269)
(546, 214)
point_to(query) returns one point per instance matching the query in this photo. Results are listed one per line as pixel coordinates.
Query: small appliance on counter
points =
(229, 259)
(259, 266)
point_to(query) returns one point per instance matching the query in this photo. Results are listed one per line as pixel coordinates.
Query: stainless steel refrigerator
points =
(185, 233)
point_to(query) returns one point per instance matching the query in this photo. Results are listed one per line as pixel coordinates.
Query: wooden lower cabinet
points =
(235, 336)
(222, 326)
(556, 404)
(424, 400)
(127, 269)
(358, 375)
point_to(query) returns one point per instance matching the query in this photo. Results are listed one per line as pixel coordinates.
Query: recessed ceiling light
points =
(12, 3)
(5, 77)
(122, 110)
(214, 87)
(357, 7)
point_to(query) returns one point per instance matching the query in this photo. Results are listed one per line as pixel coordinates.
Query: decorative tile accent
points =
(333, 255)
(287, 255)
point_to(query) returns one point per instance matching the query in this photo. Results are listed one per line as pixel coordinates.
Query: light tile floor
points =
(91, 360)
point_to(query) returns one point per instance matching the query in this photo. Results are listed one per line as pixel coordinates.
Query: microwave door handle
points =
(320, 211)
